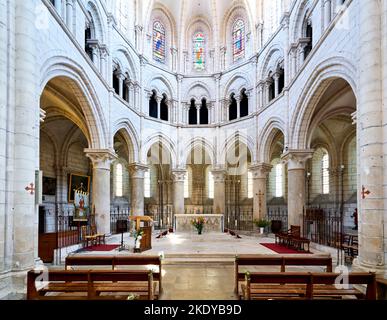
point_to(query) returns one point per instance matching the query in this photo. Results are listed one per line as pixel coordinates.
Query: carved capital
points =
(178, 175)
(101, 158)
(296, 159)
(219, 175)
(137, 170)
(260, 170)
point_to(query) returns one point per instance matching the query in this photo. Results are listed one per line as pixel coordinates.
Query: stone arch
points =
(230, 142)
(99, 26)
(165, 141)
(123, 58)
(131, 138)
(82, 87)
(161, 85)
(271, 61)
(302, 10)
(197, 91)
(267, 136)
(236, 84)
(324, 74)
(195, 143)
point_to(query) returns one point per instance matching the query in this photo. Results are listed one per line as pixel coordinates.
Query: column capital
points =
(276, 76)
(296, 159)
(219, 175)
(137, 170)
(260, 170)
(178, 175)
(101, 158)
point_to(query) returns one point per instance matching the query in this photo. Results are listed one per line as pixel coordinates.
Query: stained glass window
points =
(199, 51)
(238, 37)
(158, 42)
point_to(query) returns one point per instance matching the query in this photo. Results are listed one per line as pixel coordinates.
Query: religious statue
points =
(355, 219)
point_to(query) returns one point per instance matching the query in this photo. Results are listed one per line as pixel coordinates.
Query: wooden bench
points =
(282, 261)
(117, 261)
(90, 285)
(302, 285)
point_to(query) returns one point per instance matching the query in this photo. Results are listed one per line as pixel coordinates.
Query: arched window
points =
(244, 105)
(158, 42)
(238, 37)
(164, 108)
(250, 193)
(278, 180)
(153, 106)
(119, 180)
(116, 81)
(210, 185)
(281, 80)
(271, 89)
(192, 113)
(125, 88)
(204, 112)
(309, 36)
(186, 185)
(233, 109)
(325, 173)
(88, 48)
(199, 51)
(147, 184)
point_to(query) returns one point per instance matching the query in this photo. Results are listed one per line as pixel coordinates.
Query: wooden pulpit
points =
(146, 241)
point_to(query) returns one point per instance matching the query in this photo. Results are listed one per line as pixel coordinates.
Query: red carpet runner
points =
(102, 247)
(282, 249)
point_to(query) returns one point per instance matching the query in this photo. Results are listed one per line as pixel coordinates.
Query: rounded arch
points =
(165, 141)
(123, 58)
(99, 26)
(198, 142)
(87, 96)
(272, 59)
(302, 9)
(237, 83)
(131, 138)
(197, 91)
(325, 73)
(232, 140)
(161, 85)
(267, 137)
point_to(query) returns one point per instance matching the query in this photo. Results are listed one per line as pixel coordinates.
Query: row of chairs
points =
(93, 237)
(292, 238)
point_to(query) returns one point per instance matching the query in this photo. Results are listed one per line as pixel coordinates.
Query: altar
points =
(215, 222)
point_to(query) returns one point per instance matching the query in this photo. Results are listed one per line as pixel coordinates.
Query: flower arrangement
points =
(198, 223)
(137, 238)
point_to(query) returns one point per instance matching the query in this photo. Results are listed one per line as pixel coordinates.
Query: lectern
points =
(146, 241)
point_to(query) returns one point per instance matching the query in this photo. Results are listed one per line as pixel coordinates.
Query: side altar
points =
(215, 222)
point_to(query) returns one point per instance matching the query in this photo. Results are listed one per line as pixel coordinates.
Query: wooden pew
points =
(90, 285)
(302, 285)
(281, 261)
(117, 262)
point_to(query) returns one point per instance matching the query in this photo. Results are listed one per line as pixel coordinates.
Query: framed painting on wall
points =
(49, 186)
(77, 182)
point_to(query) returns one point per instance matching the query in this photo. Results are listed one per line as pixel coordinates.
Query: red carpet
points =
(102, 247)
(282, 249)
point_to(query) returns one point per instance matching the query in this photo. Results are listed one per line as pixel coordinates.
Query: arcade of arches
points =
(253, 109)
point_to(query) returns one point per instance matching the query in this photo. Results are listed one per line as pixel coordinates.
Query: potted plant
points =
(261, 224)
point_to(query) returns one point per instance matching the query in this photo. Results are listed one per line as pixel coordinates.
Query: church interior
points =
(193, 149)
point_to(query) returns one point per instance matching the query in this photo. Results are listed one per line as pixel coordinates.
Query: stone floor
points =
(198, 267)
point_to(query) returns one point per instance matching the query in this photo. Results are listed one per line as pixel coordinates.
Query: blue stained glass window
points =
(238, 36)
(158, 42)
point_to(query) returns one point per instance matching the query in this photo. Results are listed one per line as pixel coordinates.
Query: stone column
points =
(260, 172)
(103, 58)
(101, 160)
(372, 207)
(219, 191)
(296, 160)
(327, 13)
(69, 14)
(178, 190)
(293, 53)
(158, 99)
(128, 83)
(276, 77)
(238, 100)
(20, 229)
(261, 88)
(267, 93)
(137, 172)
(198, 106)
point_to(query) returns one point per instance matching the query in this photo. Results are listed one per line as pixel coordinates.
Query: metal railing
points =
(237, 218)
(278, 214)
(119, 214)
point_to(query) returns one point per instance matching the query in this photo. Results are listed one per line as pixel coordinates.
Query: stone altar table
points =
(215, 223)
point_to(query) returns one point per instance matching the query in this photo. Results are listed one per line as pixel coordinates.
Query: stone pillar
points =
(121, 78)
(238, 100)
(103, 58)
(178, 191)
(296, 160)
(21, 222)
(327, 13)
(276, 77)
(294, 61)
(260, 172)
(158, 99)
(101, 160)
(267, 93)
(128, 83)
(69, 14)
(137, 172)
(219, 191)
(198, 106)
(261, 88)
(372, 223)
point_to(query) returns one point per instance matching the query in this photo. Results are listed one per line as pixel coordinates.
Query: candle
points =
(161, 222)
(236, 222)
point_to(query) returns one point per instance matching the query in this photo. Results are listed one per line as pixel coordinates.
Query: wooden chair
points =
(86, 238)
(100, 237)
